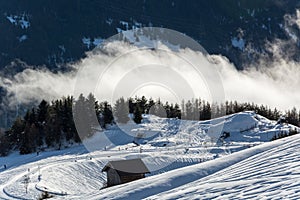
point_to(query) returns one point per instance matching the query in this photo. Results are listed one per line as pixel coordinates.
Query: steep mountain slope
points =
(54, 33)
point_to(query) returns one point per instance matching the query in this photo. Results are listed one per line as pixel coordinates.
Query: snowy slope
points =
(269, 170)
(273, 173)
(167, 147)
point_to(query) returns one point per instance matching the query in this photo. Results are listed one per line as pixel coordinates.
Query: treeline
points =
(284, 134)
(46, 125)
(53, 124)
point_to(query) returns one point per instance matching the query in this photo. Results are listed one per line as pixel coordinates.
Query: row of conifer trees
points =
(53, 124)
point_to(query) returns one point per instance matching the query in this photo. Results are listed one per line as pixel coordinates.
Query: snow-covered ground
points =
(267, 171)
(186, 159)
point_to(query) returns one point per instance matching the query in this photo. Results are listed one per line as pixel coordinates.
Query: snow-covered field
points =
(186, 158)
(267, 171)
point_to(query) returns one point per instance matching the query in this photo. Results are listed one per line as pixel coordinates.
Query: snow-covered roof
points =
(136, 166)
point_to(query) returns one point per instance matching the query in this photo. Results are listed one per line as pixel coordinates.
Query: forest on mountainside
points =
(52, 124)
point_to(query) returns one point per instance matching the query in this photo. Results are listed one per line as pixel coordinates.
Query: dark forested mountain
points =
(52, 33)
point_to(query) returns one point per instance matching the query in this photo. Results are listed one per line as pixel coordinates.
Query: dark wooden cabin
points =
(124, 171)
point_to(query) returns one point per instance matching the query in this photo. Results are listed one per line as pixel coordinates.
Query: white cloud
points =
(125, 70)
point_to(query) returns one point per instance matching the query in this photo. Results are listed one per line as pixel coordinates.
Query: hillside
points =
(55, 33)
(51, 38)
(269, 170)
(168, 145)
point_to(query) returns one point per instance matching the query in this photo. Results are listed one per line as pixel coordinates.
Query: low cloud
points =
(34, 85)
(273, 83)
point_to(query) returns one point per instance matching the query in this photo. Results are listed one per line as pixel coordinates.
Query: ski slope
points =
(273, 173)
(186, 159)
(270, 170)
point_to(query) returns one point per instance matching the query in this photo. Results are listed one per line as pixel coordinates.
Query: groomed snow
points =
(270, 170)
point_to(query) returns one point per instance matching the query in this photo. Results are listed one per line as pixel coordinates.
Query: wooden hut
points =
(124, 171)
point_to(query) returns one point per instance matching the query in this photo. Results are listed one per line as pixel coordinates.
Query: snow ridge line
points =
(54, 193)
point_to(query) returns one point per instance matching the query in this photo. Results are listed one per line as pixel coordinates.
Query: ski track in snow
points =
(271, 174)
(267, 171)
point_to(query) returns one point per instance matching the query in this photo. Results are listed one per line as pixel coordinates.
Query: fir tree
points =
(107, 114)
(131, 105)
(121, 111)
(150, 104)
(137, 115)
(42, 111)
(4, 145)
(14, 134)
(41, 120)
(82, 117)
(189, 115)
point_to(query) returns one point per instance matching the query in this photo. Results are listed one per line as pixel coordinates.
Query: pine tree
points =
(137, 115)
(150, 104)
(81, 117)
(107, 114)
(121, 111)
(29, 136)
(42, 112)
(189, 110)
(4, 145)
(25, 144)
(15, 132)
(196, 111)
(292, 116)
(131, 105)
(206, 112)
(142, 103)
(167, 110)
(177, 111)
(92, 111)
(68, 126)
